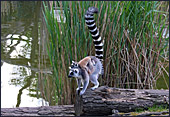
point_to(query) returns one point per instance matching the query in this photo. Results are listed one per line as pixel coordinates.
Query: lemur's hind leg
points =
(94, 80)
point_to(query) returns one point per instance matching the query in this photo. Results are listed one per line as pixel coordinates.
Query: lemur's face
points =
(74, 70)
(74, 64)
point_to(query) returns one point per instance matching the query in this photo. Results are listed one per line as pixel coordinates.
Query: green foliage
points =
(158, 108)
(154, 108)
(135, 49)
(139, 110)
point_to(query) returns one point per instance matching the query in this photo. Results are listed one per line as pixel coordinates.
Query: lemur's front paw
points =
(82, 92)
(93, 88)
(78, 88)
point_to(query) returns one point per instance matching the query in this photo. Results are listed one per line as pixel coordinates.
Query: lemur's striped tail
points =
(94, 32)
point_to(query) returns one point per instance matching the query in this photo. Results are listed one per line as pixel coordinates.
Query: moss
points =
(154, 108)
(139, 110)
(158, 108)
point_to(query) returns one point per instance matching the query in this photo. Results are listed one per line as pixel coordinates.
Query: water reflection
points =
(23, 61)
(16, 86)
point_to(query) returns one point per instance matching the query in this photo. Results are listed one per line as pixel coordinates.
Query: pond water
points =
(24, 59)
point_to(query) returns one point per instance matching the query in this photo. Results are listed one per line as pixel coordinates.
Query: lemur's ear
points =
(69, 67)
(73, 63)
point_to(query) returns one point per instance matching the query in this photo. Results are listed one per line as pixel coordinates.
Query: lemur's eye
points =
(75, 71)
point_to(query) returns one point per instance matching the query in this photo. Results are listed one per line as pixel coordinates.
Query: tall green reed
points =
(134, 47)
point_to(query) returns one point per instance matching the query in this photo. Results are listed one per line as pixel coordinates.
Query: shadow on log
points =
(107, 101)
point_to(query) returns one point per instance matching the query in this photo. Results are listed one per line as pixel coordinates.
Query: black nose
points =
(70, 75)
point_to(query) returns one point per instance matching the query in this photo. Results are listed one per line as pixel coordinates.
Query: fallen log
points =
(106, 100)
(60, 110)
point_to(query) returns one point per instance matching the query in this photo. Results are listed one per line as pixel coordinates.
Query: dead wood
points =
(105, 100)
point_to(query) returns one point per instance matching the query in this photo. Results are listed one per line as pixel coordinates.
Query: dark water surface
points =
(24, 59)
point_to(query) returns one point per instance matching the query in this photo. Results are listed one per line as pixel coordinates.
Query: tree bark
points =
(106, 100)
(60, 110)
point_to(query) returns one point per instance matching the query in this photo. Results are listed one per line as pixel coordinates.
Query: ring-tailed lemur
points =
(89, 67)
